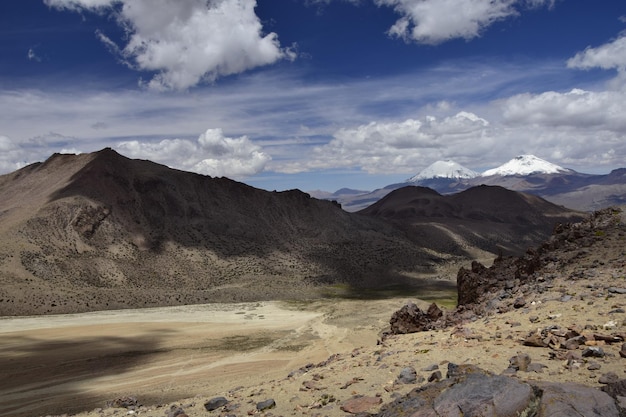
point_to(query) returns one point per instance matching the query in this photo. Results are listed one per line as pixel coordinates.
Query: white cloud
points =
(212, 154)
(611, 55)
(400, 126)
(401, 146)
(187, 42)
(32, 55)
(12, 156)
(577, 108)
(437, 21)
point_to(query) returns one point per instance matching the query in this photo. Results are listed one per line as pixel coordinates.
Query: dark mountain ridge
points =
(575, 190)
(102, 231)
(491, 218)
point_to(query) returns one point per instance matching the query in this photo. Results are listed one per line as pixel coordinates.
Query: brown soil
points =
(310, 357)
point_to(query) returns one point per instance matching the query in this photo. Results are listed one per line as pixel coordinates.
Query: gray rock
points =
(408, 375)
(622, 351)
(608, 378)
(615, 290)
(615, 389)
(411, 319)
(536, 367)
(569, 399)
(360, 404)
(266, 405)
(124, 402)
(594, 366)
(574, 342)
(432, 367)
(215, 403)
(520, 362)
(519, 303)
(594, 352)
(435, 376)
(483, 395)
(468, 392)
(175, 411)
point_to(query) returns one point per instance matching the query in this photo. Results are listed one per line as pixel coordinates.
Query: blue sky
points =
(315, 94)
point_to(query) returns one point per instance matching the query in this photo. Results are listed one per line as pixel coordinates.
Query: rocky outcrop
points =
(410, 319)
(471, 391)
(503, 286)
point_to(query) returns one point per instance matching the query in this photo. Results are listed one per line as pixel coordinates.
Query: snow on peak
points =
(444, 169)
(525, 165)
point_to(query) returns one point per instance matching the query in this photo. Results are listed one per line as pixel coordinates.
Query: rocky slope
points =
(539, 335)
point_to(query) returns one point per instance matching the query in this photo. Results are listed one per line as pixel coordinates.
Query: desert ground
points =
(311, 358)
(70, 363)
(319, 357)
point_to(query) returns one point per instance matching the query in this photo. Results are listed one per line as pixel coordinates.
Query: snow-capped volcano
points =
(444, 169)
(525, 165)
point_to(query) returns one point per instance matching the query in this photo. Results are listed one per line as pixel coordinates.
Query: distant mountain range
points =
(101, 231)
(526, 173)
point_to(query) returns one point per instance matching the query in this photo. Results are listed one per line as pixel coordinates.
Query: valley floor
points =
(71, 363)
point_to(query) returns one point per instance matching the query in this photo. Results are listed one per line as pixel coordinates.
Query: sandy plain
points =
(70, 363)
(311, 357)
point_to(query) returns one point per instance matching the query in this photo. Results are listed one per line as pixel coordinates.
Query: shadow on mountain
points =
(104, 221)
(40, 375)
(102, 228)
(490, 218)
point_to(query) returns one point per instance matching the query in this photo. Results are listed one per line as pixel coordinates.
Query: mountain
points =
(99, 231)
(525, 165)
(102, 231)
(489, 218)
(525, 173)
(444, 169)
(343, 192)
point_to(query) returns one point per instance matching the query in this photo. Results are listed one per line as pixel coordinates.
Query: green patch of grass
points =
(243, 343)
(291, 348)
(443, 297)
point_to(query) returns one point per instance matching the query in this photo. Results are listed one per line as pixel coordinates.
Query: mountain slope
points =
(99, 231)
(525, 173)
(444, 169)
(493, 219)
(525, 165)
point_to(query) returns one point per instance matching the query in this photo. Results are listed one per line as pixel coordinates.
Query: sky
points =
(315, 94)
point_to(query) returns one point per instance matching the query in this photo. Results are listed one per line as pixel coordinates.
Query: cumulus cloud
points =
(576, 108)
(576, 128)
(186, 42)
(401, 146)
(211, 154)
(12, 156)
(611, 55)
(437, 21)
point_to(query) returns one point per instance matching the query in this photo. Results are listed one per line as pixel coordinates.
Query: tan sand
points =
(69, 363)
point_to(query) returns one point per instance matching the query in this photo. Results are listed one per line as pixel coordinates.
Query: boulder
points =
(215, 403)
(408, 375)
(570, 399)
(468, 391)
(411, 319)
(360, 404)
(266, 405)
